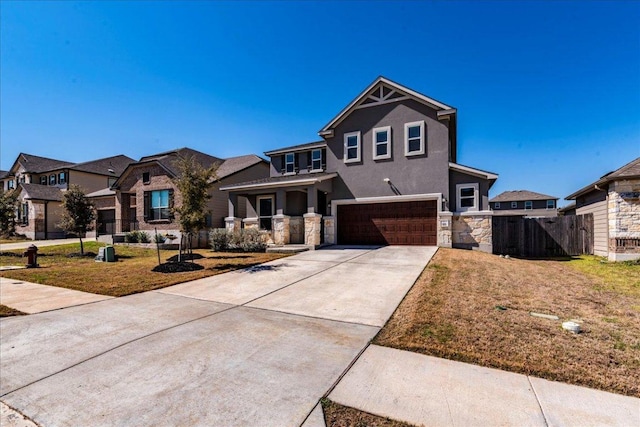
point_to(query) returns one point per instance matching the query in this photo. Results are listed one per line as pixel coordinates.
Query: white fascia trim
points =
(294, 150)
(472, 171)
(398, 87)
(278, 184)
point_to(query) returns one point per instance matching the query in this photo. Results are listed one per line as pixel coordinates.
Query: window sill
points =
(414, 153)
(352, 160)
(316, 170)
(158, 221)
(382, 158)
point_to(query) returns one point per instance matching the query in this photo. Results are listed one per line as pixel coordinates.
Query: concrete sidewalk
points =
(425, 390)
(39, 243)
(35, 298)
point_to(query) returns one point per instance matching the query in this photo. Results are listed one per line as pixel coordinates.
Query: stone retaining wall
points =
(472, 231)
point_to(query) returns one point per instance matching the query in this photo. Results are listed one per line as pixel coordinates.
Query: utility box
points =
(109, 254)
(106, 254)
(32, 256)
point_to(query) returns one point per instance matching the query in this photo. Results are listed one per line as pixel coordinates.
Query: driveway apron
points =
(194, 354)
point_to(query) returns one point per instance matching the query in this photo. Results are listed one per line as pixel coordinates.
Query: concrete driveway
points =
(254, 347)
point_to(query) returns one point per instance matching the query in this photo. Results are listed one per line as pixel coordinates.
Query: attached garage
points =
(399, 223)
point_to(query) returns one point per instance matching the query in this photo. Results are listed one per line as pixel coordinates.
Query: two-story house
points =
(40, 183)
(146, 191)
(524, 203)
(384, 172)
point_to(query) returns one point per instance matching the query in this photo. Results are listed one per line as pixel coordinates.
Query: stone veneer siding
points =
(312, 229)
(329, 230)
(623, 207)
(472, 231)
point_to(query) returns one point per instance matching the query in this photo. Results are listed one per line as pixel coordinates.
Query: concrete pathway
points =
(427, 390)
(201, 353)
(35, 298)
(23, 244)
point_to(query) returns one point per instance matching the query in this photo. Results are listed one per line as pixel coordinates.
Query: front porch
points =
(290, 210)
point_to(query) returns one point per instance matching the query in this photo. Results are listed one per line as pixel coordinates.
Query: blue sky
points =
(548, 93)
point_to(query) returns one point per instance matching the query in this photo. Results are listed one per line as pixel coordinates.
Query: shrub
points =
(136, 237)
(246, 240)
(219, 238)
(159, 238)
(252, 241)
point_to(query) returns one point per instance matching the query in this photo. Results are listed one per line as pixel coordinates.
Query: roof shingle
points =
(521, 195)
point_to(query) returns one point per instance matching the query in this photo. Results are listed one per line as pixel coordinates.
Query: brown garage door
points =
(402, 223)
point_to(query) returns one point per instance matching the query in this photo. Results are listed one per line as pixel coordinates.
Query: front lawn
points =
(130, 274)
(475, 307)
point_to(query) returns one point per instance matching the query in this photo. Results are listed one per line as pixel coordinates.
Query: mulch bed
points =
(177, 267)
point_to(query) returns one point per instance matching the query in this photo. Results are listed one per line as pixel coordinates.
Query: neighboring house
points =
(145, 192)
(614, 201)
(40, 182)
(384, 172)
(570, 209)
(4, 180)
(525, 203)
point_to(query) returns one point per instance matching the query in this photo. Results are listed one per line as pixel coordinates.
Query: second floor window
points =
(382, 143)
(43, 180)
(10, 184)
(62, 178)
(496, 205)
(52, 179)
(414, 139)
(289, 163)
(514, 205)
(316, 160)
(352, 147)
(146, 178)
(551, 204)
(528, 205)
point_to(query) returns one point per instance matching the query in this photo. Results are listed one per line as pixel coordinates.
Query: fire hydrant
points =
(32, 256)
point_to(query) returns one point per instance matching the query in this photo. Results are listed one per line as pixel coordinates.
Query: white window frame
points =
(375, 143)
(514, 205)
(273, 207)
(358, 147)
(551, 204)
(422, 149)
(496, 205)
(292, 163)
(62, 178)
(53, 179)
(528, 203)
(44, 180)
(476, 193)
(313, 152)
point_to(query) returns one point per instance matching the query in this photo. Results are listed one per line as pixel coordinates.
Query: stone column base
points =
(232, 223)
(312, 229)
(250, 223)
(444, 229)
(329, 230)
(280, 229)
(472, 231)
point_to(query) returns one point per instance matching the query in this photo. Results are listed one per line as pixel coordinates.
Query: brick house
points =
(145, 191)
(614, 201)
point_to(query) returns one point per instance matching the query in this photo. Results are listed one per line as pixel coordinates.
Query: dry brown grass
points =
(8, 311)
(456, 310)
(130, 274)
(336, 415)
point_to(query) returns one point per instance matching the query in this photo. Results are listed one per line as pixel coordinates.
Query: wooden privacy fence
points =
(543, 237)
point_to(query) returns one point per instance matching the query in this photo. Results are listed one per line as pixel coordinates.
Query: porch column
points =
(312, 229)
(280, 228)
(329, 230)
(281, 200)
(232, 223)
(312, 199)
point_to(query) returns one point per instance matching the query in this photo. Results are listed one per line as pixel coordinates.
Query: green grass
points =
(622, 277)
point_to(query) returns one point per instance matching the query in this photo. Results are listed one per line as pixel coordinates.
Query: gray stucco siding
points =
(422, 174)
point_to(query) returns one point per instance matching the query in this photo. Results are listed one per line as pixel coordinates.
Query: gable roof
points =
(630, 170)
(168, 161)
(3, 174)
(299, 147)
(236, 164)
(521, 195)
(112, 166)
(41, 192)
(37, 164)
(376, 92)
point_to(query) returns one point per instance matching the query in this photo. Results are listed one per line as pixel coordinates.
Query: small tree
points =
(8, 206)
(78, 213)
(193, 182)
